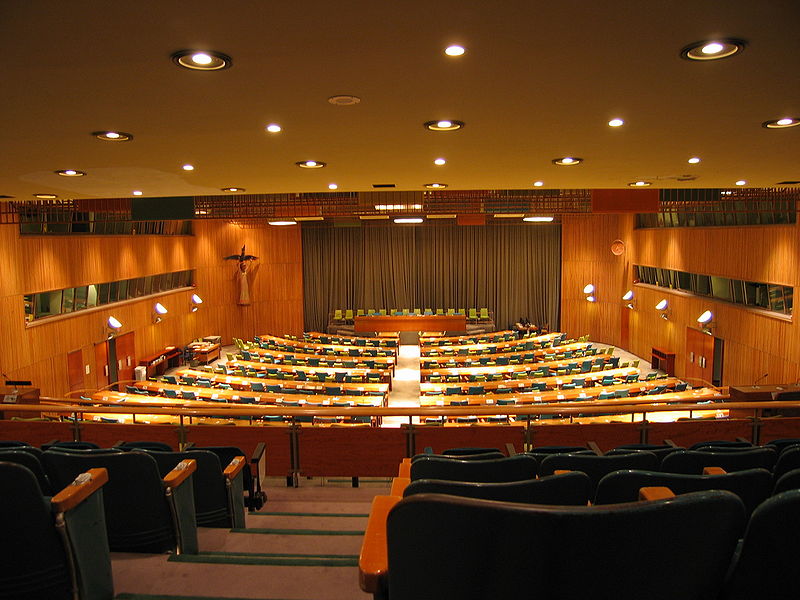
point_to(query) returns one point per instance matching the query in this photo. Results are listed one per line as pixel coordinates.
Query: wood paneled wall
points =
(586, 257)
(755, 344)
(40, 263)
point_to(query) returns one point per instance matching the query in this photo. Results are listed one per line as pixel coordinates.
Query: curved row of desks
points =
(510, 370)
(385, 362)
(485, 338)
(383, 375)
(531, 343)
(314, 348)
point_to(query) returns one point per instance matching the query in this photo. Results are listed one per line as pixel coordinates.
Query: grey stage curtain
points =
(512, 270)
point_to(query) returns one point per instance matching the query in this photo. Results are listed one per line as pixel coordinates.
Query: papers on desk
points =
(214, 396)
(537, 398)
(560, 397)
(440, 403)
(490, 401)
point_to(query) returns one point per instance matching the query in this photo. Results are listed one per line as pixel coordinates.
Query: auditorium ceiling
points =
(537, 82)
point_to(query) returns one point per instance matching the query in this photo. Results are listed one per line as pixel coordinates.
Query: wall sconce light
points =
(629, 301)
(196, 302)
(588, 291)
(706, 321)
(158, 311)
(662, 307)
(113, 325)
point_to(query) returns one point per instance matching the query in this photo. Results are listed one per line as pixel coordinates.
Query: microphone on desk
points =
(764, 376)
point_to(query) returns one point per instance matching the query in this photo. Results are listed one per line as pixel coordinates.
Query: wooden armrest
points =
(670, 443)
(398, 485)
(234, 467)
(405, 468)
(714, 471)
(655, 493)
(510, 449)
(373, 562)
(76, 492)
(561, 471)
(595, 448)
(258, 453)
(180, 473)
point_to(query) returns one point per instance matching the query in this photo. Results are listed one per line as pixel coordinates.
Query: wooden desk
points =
(525, 344)
(429, 338)
(412, 323)
(762, 393)
(168, 358)
(204, 352)
(663, 360)
(11, 395)
(318, 348)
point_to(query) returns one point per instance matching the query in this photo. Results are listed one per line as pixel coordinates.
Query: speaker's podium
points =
(789, 392)
(11, 394)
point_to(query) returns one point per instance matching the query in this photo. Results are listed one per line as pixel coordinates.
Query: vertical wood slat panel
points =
(755, 344)
(42, 263)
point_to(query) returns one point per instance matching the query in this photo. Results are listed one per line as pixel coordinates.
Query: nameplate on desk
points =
(10, 399)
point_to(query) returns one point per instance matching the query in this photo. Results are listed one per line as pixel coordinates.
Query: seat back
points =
(598, 466)
(35, 563)
(449, 547)
(210, 496)
(512, 468)
(137, 515)
(765, 566)
(753, 486)
(481, 456)
(30, 461)
(694, 461)
(789, 460)
(563, 489)
(659, 451)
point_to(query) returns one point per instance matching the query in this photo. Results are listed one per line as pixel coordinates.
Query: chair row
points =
(348, 315)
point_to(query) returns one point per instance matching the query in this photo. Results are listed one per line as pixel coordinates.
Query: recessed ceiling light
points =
(45, 196)
(283, 222)
(713, 49)
(741, 182)
(113, 136)
(232, 189)
(435, 186)
(137, 192)
(616, 123)
(782, 123)
(567, 161)
(310, 164)
(273, 128)
(444, 125)
(439, 161)
(202, 60)
(333, 186)
(70, 173)
(409, 220)
(344, 100)
(188, 167)
(693, 161)
(454, 50)
(538, 219)
(640, 184)
(538, 183)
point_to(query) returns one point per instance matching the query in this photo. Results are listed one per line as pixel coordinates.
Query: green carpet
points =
(303, 514)
(254, 558)
(270, 531)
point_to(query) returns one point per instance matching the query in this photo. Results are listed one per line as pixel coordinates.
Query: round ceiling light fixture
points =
(444, 125)
(713, 49)
(616, 123)
(538, 183)
(344, 100)
(70, 173)
(640, 184)
(113, 136)
(440, 161)
(455, 50)
(273, 128)
(567, 161)
(202, 60)
(333, 186)
(694, 160)
(741, 182)
(783, 123)
(435, 186)
(137, 192)
(45, 196)
(310, 164)
(232, 189)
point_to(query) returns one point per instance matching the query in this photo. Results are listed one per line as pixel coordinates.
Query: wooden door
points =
(101, 364)
(126, 356)
(699, 368)
(75, 371)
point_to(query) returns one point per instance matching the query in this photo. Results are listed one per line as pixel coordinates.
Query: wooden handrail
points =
(234, 467)
(398, 485)
(180, 473)
(81, 488)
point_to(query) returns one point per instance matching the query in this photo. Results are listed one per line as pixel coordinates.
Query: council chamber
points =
(409, 301)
